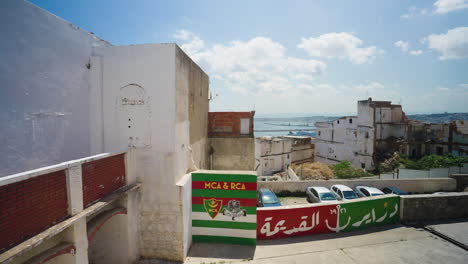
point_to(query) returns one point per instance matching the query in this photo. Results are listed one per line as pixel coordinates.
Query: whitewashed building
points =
(382, 128)
(355, 138)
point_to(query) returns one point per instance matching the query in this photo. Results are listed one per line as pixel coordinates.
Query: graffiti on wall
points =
(224, 208)
(327, 218)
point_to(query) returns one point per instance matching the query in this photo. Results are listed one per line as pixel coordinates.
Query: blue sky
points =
(311, 57)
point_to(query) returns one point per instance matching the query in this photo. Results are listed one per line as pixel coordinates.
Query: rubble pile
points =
(313, 171)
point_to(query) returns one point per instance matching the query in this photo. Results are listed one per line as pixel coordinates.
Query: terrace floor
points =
(391, 244)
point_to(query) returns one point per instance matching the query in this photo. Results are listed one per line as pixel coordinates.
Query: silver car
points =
(317, 194)
(366, 191)
(343, 192)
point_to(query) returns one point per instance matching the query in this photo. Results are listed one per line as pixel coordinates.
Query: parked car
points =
(343, 192)
(366, 191)
(316, 194)
(267, 198)
(394, 190)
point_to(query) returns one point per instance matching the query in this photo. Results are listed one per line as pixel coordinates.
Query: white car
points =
(366, 191)
(316, 194)
(343, 192)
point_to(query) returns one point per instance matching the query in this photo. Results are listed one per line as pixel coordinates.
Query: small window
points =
(367, 134)
(363, 165)
(244, 126)
(319, 133)
(350, 120)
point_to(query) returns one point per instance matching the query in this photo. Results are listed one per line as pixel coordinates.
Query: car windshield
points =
(349, 195)
(327, 197)
(269, 198)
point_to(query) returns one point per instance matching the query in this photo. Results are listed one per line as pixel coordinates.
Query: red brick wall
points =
(102, 177)
(227, 124)
(31, 206)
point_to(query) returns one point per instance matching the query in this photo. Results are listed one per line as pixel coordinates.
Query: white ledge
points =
(53, 168)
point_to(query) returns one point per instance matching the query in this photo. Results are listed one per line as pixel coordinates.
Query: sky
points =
(301, 57)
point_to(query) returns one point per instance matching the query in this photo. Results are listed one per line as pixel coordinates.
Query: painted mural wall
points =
(224, 207)
(327, 218)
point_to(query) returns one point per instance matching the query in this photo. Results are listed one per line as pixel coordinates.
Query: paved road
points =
(394, 244)
(457, 230)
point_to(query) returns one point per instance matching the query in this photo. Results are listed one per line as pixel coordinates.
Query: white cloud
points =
(403, 45)
(275, 82)
(416, 52)
(255, 66)
(445, 6)
(193, 43)
(341, 46)
(452, 45)
(194, 46)
(413, 11)
(183, 34)
(460, 89)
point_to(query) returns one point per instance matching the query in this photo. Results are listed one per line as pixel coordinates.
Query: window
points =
(244, 126)
(350, 120)
(363, 165)
(367, 134)
(319, 132)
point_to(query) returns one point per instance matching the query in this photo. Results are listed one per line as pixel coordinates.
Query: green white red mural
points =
(327, 218)
(224, 208)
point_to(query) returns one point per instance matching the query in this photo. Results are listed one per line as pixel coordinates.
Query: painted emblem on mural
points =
(234, 209)
(212, 206)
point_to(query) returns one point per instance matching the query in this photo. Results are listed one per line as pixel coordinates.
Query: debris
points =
(313, 171)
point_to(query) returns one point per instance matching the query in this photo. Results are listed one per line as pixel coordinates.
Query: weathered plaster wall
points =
(430, 207)
(233, 153)
(347, 138)
(192, 86)
(145, 90)
(185, 191)
(44, 100)
(273, 154)
(109, 244)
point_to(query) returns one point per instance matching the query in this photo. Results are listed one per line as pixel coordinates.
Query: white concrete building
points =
(68, 94)
(356, 138)
(272, 155)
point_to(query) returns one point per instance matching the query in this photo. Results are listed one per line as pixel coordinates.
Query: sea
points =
(283, 126)
(298, 126)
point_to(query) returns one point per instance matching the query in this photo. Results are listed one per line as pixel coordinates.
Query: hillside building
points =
(381, 128)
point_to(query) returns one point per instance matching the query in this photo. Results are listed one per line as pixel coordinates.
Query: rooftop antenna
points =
(211, 96)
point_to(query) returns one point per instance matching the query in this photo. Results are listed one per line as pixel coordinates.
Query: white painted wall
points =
(343, 139)
(273, 154)
(44, 100)
(143, 91)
